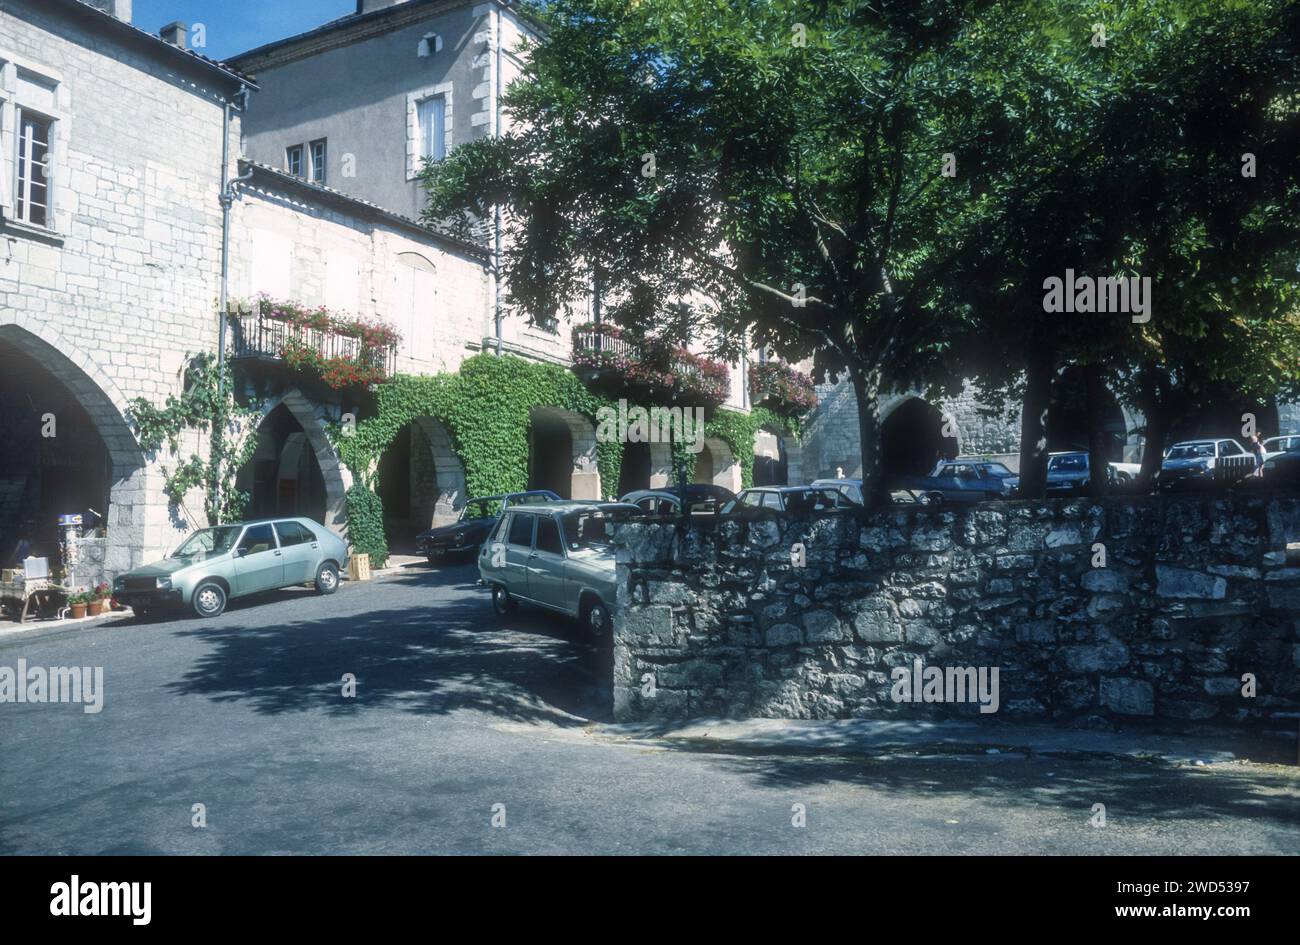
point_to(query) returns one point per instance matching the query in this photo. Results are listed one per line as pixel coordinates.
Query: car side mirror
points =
(241, 551)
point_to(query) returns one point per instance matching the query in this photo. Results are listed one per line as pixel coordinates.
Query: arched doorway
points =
(420, 480)
(636, 468)
(912, 440)
(716, 465)
(283, 477)
(562, 453)
(65, 447)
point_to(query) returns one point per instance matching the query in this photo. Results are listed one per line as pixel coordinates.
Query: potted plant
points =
(98, 602)
(78, 603)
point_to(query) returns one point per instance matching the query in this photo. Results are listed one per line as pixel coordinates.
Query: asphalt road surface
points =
(456, 713)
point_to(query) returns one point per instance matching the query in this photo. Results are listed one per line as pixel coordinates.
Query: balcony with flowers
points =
(341, 350)
(619, 363)
(781, 389)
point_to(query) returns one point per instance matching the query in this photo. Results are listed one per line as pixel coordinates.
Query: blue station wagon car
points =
(215, 565)
(556, 555)
(962, 481)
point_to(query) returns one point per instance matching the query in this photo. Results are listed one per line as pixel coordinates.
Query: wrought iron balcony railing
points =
(260, 335)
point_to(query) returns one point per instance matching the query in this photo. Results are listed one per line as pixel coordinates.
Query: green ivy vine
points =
(486, 411)
(231, 443)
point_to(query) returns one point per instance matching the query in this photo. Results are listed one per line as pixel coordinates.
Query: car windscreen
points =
(530, 499)
(208, 541)
(997, 469)
(585, 530)
(813, 500)
(481, 508)
(1192, 451)
(1068, 464)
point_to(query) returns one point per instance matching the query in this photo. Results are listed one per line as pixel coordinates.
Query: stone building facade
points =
(103, 292)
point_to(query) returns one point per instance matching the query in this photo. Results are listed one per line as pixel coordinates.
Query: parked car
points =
(700, 497)
(851, 489)
(555, 555)
(215, 565)
(654, 502)
(780, 499)
(1197, 462)
(471, 528)
(1283, 469)
(1277, 445)
(962, 481)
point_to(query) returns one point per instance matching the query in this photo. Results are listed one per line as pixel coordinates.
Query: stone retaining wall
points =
(719, 618)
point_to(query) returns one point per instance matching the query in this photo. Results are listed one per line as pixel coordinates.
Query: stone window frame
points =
(414, 159)
(58, 216)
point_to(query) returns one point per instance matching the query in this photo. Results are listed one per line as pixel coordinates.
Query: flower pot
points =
(78, 611)
(95, 607)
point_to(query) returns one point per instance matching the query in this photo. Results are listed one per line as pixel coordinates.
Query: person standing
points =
(1257, 450)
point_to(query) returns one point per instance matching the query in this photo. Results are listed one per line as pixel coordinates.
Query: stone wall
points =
(719, 619)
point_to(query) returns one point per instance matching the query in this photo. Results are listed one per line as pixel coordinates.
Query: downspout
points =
(227, 198)
(496, 212)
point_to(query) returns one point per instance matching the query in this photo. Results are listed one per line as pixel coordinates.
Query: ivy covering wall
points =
(486, 410)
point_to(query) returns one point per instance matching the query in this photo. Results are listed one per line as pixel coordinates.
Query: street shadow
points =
(451, 657)
(1128, 787)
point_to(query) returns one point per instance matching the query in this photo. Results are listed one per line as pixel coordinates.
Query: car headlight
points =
(164, 584)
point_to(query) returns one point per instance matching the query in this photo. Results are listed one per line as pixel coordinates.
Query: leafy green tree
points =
(796, 174)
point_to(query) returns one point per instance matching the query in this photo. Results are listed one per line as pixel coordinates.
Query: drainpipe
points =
(496, 213)
(227, 198)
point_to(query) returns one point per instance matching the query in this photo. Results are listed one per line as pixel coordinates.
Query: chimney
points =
(118, 8)
(175, 33)
(369, 6)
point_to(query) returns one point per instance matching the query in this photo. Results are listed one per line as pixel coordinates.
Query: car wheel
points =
(934, 498)
(327, 579)
(597, 620)
(502, 602)
(432, 559)
(141, 611)
(209, 599)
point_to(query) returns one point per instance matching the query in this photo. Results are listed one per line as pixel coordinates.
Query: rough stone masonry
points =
(717, 618)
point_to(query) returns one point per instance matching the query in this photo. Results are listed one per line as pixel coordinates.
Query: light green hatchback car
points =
(215, 565)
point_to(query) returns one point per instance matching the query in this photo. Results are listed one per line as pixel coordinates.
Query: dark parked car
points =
(470, 530)
(1283, 469)
(776, 500)
(962, 481)
(700, 498)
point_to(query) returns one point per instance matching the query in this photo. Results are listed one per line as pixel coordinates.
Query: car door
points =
(519, 548)
(300, 552)
(258, 563)
(546, 564)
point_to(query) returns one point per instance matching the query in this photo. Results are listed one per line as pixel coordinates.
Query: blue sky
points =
(235, 26)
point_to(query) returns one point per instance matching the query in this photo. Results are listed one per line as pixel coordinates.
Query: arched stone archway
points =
(449, 473)
(914, 435)
(137, 527)
(562, 453)
(715, 464)
(337, 480)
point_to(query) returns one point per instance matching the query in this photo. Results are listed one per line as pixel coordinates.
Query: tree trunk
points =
(866, 387)
(1157, 416)
(1039, 369)
(1098, 461)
